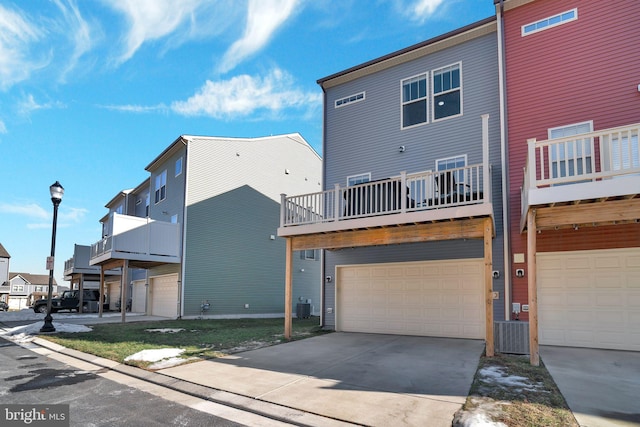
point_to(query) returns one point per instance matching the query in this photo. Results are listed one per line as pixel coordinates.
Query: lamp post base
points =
(48, 325)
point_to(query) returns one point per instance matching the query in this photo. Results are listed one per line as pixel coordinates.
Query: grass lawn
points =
(200, 338)
(518, 394)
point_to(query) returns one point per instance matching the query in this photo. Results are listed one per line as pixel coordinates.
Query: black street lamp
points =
(57, 192)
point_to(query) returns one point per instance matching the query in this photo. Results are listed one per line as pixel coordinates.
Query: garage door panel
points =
(164, 296)
(432, 298)
(590, 298)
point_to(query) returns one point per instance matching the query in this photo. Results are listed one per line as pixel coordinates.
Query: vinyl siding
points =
(233, 209)
(173, 204)
(366, 136)
(579, 71)
(231, 260)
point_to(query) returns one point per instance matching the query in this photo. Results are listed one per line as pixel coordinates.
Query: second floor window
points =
(447, 99)
(414, 101)
(161, 187)
(179, 166)
(18, 288)
(358, 179)
(147, 201)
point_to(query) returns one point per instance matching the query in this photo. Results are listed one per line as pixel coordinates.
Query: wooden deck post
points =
(124, 278)
(100, 300)
(288, 290)
(532, 288)
(488, 285)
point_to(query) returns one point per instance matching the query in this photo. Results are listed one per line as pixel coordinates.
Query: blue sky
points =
(92, 91)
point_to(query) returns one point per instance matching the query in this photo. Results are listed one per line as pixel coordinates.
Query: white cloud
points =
(264, 17)
(79, 31)
(29, 105)
(423, 9)
(74, 215)
(3, 127)
(155, 19)
(30, 210)
(243, 95)
(137, 108)
(17, 35)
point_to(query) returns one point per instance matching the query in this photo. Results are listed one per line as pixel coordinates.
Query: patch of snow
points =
(497, 376)
(155, 355)
(29, 314)
(27, 333)
(166, 330)
(481, 415)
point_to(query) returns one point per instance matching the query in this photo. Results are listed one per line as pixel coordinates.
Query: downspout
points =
(184, 228)
(505, 166)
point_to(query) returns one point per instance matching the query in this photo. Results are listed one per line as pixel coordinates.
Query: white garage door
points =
(164, 296)
(428, 298)
(139, 297)
(590, 298)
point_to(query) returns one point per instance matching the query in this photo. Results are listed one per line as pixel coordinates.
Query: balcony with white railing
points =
(142, 240)
(596, 166)
(408, 198)
(79, 263)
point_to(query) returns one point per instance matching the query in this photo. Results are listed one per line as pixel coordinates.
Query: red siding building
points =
(573, 113)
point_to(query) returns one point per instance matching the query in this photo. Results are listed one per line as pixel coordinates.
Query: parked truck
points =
(69, 300)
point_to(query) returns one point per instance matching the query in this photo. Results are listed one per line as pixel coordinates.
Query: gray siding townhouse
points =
(204, 229)
(411, 211)
(27, 287)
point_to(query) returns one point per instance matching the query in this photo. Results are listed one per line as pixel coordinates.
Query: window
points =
(118, 210)
(174, 219)
(625, 156)
(452, 182)
(571, 157)
(414, 101)
(309, 254)
(161, 187)
(447, 99)
(349, 100)
(18, 288)
(179, 166)
(552, 21)
(147, 201)
(358, 179)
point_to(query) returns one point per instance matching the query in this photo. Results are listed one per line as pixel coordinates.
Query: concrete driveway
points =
(602, 387)
(377, 380)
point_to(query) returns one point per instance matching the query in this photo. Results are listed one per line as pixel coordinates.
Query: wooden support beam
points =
(445, 230)
(288, 290)
(114, 263)
(488, 285)
(532, 288)
(587, 213)
(101, 290)
(124, 278)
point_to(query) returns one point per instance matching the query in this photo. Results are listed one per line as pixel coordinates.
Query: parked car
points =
(4, 306)
(69, 300)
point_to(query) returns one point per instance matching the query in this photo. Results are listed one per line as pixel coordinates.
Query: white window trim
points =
(527, 33)
(347, 99)
(402, 103)
(464, 171)
(181, 166)
(368, 174)
(159, 188)
(551, 157)
(313, 254)
(433, 95)
(586, 122)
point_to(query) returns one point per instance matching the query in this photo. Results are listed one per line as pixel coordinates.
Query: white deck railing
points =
(593, 156)
(140, 236)
(406, 193)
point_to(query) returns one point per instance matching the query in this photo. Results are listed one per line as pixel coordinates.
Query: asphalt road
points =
(27, 377)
